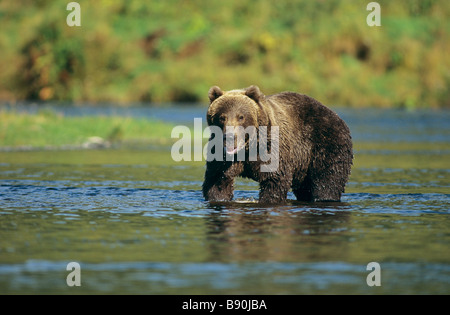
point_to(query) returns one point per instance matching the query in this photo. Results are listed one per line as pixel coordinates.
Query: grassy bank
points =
(49, 129)
(165, 51)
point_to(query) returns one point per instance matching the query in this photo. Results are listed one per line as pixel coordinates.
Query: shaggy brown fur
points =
(315, 146)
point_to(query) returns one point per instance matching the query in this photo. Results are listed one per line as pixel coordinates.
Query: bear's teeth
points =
(233, 150)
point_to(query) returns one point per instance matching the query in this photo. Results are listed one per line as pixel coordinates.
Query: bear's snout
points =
(233, 142)
(229, 142)
(228, 136)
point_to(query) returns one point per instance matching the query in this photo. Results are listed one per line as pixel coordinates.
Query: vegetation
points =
(173, 51)
(49, 129)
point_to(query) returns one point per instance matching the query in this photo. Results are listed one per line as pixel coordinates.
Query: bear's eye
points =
(241, 117)
(222, 118)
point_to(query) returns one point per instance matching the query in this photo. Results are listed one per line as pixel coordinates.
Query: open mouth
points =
(233, 150)
(233, 143)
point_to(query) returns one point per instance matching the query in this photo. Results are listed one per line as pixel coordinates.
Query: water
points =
(136, 221)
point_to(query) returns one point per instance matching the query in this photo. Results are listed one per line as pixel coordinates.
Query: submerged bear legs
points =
(273, 191)
(217, 186)
(320, 186)
(218, 190)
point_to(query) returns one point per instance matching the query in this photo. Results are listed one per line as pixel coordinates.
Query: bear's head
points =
(238, 113)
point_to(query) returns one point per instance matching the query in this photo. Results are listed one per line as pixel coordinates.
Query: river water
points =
(136, 222)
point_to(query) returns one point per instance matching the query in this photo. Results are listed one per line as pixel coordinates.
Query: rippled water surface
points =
(136, 221)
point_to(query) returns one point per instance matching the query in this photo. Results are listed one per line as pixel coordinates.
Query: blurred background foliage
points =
(173, 51)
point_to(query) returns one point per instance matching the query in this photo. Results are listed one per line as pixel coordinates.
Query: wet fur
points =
(315, 146)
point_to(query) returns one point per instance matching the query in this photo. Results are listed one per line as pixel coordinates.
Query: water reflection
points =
(238, 232)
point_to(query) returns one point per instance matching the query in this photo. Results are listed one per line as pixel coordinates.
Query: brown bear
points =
(313, 144)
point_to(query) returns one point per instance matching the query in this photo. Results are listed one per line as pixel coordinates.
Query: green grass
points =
(47, 128)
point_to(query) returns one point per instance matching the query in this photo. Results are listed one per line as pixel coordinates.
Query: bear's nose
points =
(228, 136)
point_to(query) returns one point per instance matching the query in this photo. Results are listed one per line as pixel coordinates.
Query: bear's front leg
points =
(218, 187)
(272, 191)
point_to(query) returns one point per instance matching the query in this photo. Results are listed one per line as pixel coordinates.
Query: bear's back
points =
(314, 120)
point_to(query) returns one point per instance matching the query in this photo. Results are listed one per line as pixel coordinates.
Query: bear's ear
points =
(214, 93)
(254, 93)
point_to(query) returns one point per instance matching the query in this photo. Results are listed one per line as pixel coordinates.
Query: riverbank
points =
(48, 129)
(73, 128)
